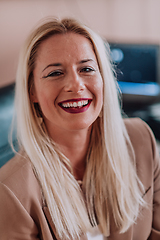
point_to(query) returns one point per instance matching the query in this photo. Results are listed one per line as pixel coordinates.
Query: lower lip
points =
(77, 109)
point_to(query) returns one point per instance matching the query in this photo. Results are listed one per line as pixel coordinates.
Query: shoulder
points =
(20, 201)
(140, 134)
(14, 167)
(136, 125)
(18, 178)
(145, 149)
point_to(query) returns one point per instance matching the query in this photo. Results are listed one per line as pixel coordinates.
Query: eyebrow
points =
(87, 60)
(59, 64)
(52, 65)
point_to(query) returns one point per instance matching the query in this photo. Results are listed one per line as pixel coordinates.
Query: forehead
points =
(66, 45)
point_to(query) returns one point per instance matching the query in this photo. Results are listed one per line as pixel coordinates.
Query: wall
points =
(127, 21)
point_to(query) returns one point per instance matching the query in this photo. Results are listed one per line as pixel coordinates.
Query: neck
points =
(74, 145)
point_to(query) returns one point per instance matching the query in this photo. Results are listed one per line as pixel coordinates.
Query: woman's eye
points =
(87, 69)
(54, 74)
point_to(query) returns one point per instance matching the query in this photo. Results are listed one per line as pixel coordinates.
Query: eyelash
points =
(54, 74)
(57, 73)
(85, 69)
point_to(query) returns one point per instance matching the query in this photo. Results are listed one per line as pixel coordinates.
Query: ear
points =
(33, 94)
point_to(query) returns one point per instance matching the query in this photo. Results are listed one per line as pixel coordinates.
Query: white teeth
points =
(75, 104)
(79, 104)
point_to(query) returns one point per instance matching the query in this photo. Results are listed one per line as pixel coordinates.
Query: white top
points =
(95, 234)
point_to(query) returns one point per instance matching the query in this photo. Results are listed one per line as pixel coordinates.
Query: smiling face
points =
(67, 83)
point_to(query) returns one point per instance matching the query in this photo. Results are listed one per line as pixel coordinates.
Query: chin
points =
(81, 125)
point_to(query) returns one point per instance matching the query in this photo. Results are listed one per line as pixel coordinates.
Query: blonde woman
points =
(82, 172)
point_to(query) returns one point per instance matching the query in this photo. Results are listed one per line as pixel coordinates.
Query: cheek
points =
(44, 93)
(47, 99)
(98, 90)
(100, 94)
(43, 98)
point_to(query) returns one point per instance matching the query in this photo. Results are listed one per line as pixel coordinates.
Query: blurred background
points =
(132, 28)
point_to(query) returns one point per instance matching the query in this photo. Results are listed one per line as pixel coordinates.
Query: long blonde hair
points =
(111, 188)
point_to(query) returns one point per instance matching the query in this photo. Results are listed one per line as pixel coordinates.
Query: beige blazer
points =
(24, 215)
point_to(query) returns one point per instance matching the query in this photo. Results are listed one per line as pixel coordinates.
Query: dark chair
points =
(6, 115)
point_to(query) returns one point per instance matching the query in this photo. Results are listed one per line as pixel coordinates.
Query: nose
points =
(74, 82)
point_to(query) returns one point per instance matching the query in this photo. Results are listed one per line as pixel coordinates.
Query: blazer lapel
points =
(50, 222)
(52, 227)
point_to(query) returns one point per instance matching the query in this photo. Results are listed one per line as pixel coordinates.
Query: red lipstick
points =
(77, 105)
